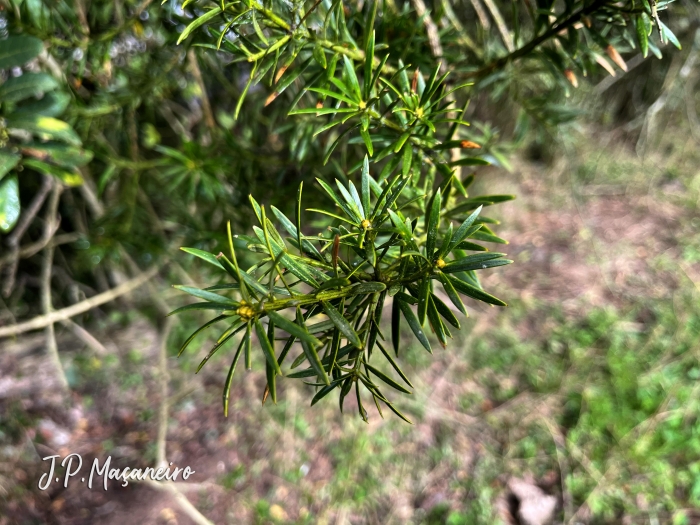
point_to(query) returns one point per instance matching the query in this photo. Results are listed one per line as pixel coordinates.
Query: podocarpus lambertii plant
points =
(411, 227)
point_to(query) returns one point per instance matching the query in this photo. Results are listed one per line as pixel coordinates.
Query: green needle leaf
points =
(341, 323)
(267, 347)
(310, 350)
(433, 222)
(293, 328)
(229, 377)
(414, 324)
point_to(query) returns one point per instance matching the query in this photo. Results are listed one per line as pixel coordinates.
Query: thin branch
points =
(536, 42)
(481, 14)
(182, 500)
(79, 308)
(501, 25)
(85, 336)
(16, 236)
(163, 379)
(197, 74)
(431, 29)
(35, 247)
(47, 307)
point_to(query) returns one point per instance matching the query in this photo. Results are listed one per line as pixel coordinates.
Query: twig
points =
(313, 8)
(481, 14)
(197, 74)
(431, 29)
(20, 229)
(501, 25)
(35, 247)
(43, 321)
(609, 81)
(163, 379)
(461, 34)
(46, 265)
(182, 500)
(87, 190)
(560, 445)
(85, 336)
(675, 73)
(535, 42)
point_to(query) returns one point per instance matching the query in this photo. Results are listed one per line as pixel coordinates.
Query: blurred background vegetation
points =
(581, 397)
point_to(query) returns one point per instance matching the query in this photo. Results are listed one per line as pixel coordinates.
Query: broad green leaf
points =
(60, 154)
(18, 50)
(45, 127)
(52, 104)
(8, 161)
(69, 177)
(268, 350)
(28, 85)
(9, 203)
(341, 323)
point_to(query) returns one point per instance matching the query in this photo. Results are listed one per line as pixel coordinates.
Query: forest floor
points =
(579, 401)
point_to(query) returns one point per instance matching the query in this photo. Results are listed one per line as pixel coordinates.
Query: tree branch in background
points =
(46, 265)
(534, 43)
(14, 239)
(197, 74)
(79, 308)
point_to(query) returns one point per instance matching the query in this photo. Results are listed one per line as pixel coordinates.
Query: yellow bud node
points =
(245, 311)
(366, 224)
(440, 263)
